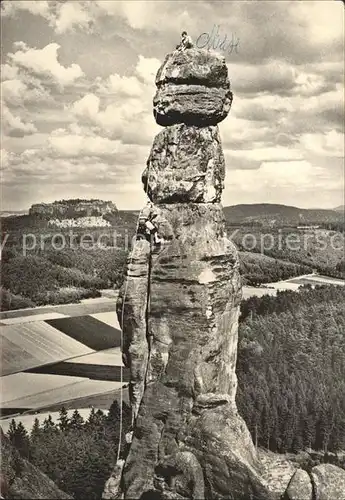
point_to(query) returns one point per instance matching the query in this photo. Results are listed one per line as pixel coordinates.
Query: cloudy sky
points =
(78, 81)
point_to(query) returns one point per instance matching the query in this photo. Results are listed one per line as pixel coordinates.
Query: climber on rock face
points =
(186, 42)
(150, 229)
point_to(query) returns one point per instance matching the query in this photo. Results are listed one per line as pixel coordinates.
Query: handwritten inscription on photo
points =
(217, 40)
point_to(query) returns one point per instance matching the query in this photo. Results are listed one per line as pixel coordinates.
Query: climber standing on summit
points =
(186, 42)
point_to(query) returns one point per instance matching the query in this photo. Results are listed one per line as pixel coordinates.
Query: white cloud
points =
(147, 69)
(279, 176)
(270, 154)
(137, 85)
(72, 15)
(128, 120)
(44, 62)
(13, 125)
(308, 84)
(19, 44)
(5, 158)
(323, 21)
(285, 174)
(86, 107)
(121, 85)
(35, 7)
(12, 91)
(16, 93)
(66, 145)
(138, 15)
(278, 78)
(328, 100)
(62, 16)
(328, 144)
(30, 77)
(126, 111)
(160, 16)
(8, 72)
(71, 155)
(75, 14)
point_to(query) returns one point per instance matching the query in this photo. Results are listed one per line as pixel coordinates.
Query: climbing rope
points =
(121, 338)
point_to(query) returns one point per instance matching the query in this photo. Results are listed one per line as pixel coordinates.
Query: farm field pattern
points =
(50, 357)
(70, 354)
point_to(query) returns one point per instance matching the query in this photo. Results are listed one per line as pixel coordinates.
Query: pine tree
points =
(77, 421)
(114, 412)
(35, 431)
(12, 430)
(48, 425)
(63, 419)
(19, 437)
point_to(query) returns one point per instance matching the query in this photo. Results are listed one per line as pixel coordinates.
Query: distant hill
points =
(341, 208)
(261, 214)
(267, 213)
(120, 219)
(9, 213)
(73, 208)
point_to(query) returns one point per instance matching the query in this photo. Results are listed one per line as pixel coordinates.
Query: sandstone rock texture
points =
(186, 164)
(300, 487)
(329, 482)
(132, 311)
(179, 306)
(112, 488)
(193, 88)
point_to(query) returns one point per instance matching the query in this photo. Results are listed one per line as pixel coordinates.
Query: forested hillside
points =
(77, 455)
(57, 276)
(257, 268)
(318, 249)
(262, 213)
(291, 369)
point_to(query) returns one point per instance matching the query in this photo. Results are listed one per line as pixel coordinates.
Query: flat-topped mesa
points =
(193, 88)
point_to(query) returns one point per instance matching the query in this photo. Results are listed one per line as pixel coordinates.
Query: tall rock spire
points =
(179, 306)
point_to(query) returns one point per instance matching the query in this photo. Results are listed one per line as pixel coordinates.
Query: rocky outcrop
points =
(186, 164)
(193, 88)
(328, 482)
(194, 66)
(300, 487)
(324, 482)
(179, 306)
(112, 488)
(178, 310)
(132, 315)
(20, 479)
